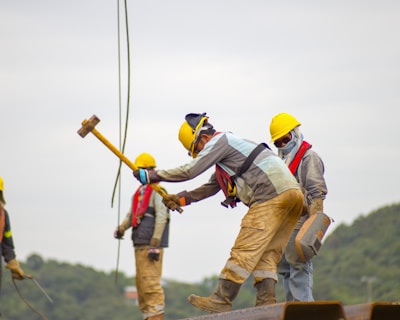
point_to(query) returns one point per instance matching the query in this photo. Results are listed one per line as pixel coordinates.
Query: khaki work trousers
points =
(264, 232)
(148, 283)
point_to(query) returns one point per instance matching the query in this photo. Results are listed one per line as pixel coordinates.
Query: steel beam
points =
(317, 310)
(373, 311)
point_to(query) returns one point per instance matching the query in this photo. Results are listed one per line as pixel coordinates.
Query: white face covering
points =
(288, 147)
(288, 152)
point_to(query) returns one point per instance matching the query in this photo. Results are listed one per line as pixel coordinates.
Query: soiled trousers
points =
(264, 232)
(148, 284)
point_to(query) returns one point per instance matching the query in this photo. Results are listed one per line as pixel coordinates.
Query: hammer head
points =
(88, 125)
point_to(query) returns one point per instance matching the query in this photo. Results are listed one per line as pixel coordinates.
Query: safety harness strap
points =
(227, 182)
(140, 203)
(299, 155)
(249, 160)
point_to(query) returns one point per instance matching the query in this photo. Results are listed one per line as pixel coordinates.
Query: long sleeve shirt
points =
(7, 243)
(267, 177)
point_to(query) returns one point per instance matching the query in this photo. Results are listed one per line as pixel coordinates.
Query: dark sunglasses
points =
(278, 143)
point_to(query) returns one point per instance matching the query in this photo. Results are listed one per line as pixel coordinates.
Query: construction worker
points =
(149, 219)
(6, 240)
(249, 173)
(308, 168)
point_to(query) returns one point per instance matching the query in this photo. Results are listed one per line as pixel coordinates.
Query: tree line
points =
(357, 263)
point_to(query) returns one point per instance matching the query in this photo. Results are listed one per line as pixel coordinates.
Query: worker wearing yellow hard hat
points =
(281, 125)
(7, 250)
(261, 181)
(1, 191)
(190, 131)
(308, 168)
(145, 160)
(148, 218)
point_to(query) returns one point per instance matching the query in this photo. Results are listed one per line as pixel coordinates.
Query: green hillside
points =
(361, 261)
(356, 263)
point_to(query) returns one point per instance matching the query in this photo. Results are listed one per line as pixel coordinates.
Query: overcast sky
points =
(334, 65)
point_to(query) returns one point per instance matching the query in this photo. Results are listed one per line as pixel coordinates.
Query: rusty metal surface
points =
(318, 310)
(373, 311)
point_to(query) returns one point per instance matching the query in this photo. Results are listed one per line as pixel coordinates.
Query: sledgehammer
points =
(89, 126)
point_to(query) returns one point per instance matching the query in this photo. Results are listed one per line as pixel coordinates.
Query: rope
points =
(123, 143)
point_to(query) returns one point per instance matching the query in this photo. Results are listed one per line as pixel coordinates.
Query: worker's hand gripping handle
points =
(89, 126)
(160, 191)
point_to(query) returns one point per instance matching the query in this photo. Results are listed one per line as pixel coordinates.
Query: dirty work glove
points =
(146, 176)
(153, 254)
(171, 201)
(119, 233)
(316, 206)
(174, 201)
(16, 270)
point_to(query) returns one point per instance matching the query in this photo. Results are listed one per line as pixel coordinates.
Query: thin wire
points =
(127, 105)
(119, 113)
(122, 146)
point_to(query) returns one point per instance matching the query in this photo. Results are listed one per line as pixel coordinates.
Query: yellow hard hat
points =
(1, 191)
(145, 160)
(282, 124)
(189, 131)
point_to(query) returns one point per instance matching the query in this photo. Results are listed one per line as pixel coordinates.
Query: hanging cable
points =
(122, 141)
(119, 131)
(41, 315)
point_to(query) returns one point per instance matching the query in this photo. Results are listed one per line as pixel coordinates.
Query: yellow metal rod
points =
(130, 164)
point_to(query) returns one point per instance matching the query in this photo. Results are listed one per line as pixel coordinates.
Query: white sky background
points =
(334, 65)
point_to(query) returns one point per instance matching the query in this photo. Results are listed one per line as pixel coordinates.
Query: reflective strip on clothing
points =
(263, 274)
(243, 273)
(8, 234)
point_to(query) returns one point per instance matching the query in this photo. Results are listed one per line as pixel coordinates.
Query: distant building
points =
(131, 294)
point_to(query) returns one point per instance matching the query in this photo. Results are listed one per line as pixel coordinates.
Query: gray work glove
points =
(153, 254)
(119, 233)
